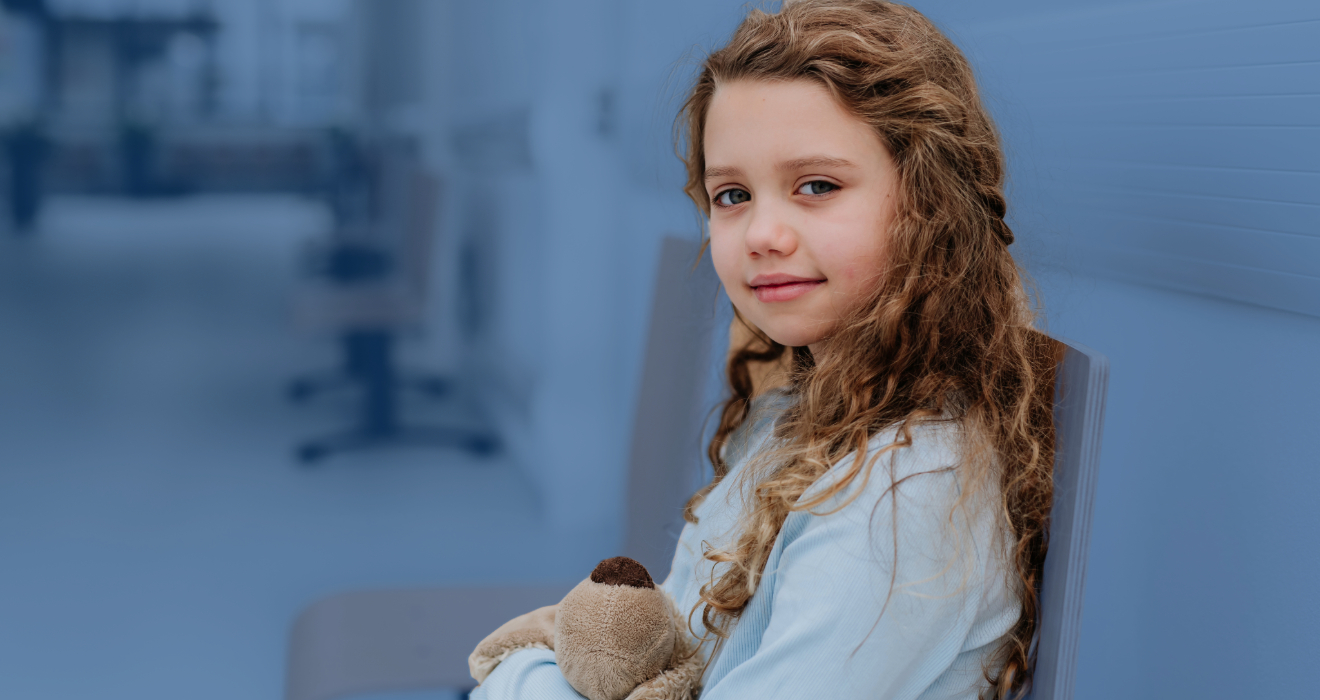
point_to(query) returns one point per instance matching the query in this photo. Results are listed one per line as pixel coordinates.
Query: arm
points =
(529, 674)
(619, 635)
(517, 661)
(535, 629)
(825, 635)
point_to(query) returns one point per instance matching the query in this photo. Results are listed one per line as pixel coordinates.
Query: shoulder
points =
(912, 487)
(757, 427)
(924, 456)
(904, 513)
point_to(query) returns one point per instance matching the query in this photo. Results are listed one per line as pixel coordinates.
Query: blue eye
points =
(730, 197)
(817, 187)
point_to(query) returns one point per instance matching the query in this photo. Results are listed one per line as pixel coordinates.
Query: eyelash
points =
(715, 200)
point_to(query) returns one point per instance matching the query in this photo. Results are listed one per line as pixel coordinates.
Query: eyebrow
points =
(788, 165)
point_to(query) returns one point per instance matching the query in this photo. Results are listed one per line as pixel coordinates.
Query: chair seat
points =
(329, 308)
(394, 640)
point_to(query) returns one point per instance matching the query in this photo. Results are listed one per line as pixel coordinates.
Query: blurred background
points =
(301, 296)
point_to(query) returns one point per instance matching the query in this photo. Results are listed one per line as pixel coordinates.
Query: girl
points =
(876, 526)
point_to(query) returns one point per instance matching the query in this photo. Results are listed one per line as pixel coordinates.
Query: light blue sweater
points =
(815, 628)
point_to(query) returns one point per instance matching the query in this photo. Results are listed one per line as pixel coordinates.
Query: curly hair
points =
(948, 331)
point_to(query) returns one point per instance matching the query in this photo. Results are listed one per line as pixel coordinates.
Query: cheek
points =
(857, 261)
(864, 264)
(724, 255)
(857, 256)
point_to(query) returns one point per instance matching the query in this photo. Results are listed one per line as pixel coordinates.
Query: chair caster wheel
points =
(484, 446)
(309, 454)
(300, 391)
(434, 387)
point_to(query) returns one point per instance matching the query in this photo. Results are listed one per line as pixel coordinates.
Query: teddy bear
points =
(616, 636)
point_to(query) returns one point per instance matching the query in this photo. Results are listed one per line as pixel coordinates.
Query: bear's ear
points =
(622, 571)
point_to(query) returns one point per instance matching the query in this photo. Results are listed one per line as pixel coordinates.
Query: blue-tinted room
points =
(307, 298)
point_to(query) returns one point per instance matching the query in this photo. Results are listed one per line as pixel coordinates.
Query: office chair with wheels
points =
(371, 287)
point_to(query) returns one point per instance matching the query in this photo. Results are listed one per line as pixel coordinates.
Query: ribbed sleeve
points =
(530, 674)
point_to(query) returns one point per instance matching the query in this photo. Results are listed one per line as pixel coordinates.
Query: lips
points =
(781, 287)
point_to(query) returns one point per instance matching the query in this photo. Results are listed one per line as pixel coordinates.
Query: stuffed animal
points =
(616, 636)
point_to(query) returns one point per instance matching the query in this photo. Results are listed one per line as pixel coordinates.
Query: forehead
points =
(757, 122)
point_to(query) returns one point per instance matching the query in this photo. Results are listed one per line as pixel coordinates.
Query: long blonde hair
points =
(947, 333)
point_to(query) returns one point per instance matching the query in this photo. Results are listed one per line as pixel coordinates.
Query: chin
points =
(792, 337)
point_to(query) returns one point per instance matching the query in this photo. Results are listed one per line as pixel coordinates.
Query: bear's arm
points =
(528, 674)
(533, 630)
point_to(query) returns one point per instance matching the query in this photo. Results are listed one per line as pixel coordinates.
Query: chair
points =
(1079, 407)
(373, 286)
(378, 641)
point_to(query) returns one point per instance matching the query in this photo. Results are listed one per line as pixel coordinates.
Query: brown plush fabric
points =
(681, 679)
(617, 638)
(609, 639)
(534, 630)
(622, 571)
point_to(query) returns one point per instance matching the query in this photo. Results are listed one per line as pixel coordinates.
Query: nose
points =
(769, 232)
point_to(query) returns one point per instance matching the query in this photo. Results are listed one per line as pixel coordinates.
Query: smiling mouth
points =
(784, 291)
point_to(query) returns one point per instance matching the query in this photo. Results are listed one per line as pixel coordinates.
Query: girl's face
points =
(802, 194)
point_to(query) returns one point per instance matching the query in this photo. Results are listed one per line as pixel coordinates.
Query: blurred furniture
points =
(382, 640)
(1079, 411)
(25, 148)
(370, 285)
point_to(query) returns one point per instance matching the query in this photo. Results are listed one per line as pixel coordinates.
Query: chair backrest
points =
(1079, 408)
(407, 213)
(420, 231)
(666, 441)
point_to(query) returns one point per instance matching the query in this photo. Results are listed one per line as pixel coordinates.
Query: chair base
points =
(482, 444)
(369, 366)
(305, 387)
(367, 359)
